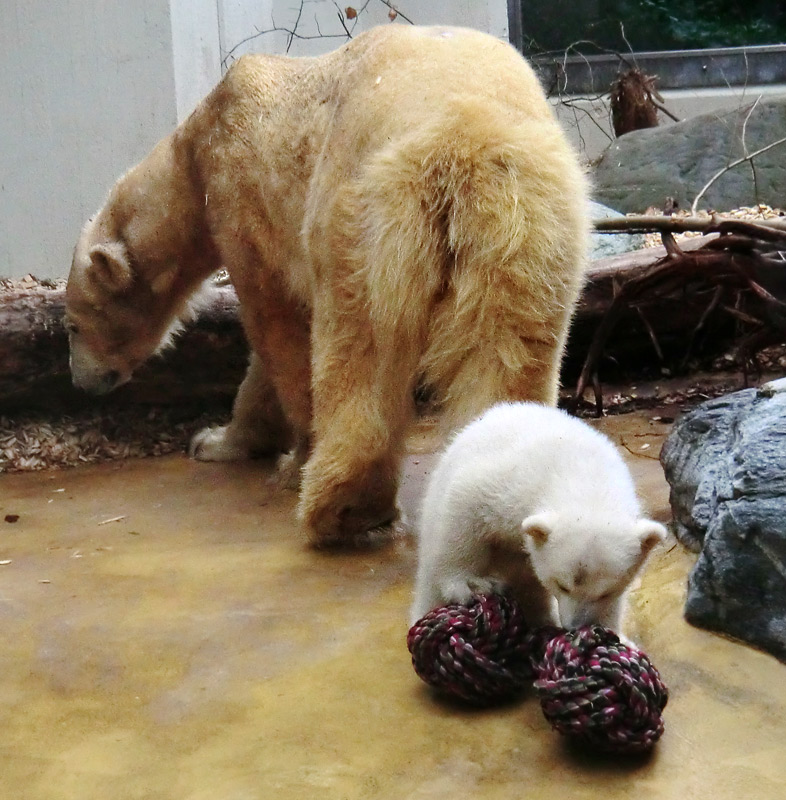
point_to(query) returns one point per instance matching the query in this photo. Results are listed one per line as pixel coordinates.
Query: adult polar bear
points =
(402, 209)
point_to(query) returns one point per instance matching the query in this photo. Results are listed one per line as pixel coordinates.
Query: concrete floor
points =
(194, 649)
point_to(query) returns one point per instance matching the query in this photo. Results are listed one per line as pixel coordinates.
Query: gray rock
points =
(611, 244)
(643, 168)
(726, 465)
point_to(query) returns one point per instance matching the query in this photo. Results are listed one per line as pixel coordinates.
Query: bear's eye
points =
(562, 588)
(71, 328)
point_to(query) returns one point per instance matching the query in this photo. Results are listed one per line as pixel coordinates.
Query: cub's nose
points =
(581, 617)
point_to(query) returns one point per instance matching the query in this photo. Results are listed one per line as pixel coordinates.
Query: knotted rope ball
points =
(477, 652)
(594, 687)
(591, 686)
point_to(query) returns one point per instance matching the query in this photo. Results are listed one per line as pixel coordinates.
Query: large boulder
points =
(643, 168)
(726, 465)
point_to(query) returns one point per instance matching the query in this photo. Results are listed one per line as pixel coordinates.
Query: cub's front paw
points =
(215, 444)
(462, 590)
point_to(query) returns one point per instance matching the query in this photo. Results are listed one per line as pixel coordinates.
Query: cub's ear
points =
(649, 534)
(109, 266)
(538, 527)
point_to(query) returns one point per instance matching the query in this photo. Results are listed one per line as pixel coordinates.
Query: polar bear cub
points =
(531, 498)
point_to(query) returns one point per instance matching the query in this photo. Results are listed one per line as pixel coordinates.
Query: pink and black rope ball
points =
(591, 686)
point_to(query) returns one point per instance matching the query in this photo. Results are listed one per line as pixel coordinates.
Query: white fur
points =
(528, 496)
(191, 309)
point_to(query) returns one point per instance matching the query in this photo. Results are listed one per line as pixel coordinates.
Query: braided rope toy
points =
(591, 686)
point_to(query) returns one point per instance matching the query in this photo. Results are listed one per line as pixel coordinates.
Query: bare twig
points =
(293, 32)
(665, 111)
(572, 104)
(735, 163)
(295, 26)
(745, 145)
(630, 47)
(717, 294)
(579, 49)
(672, 248)
(342, 19)
(638, 453)
(650, 332)
(741, 315)
(397, 12)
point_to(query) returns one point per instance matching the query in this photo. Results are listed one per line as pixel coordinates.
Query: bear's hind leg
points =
(258, 426)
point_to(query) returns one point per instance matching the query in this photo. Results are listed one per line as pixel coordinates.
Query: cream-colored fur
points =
(404, 209)
(531, 497)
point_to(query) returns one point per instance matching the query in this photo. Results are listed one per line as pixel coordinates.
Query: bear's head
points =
(115, 317)
(135, 266)
(587, 561)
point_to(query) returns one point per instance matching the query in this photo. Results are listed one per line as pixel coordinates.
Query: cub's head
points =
(587, 562)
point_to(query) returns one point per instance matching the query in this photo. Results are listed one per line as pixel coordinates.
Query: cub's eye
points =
(562, 588)
(606, 596)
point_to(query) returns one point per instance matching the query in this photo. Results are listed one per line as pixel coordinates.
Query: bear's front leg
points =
(258, 426)
(343, 496)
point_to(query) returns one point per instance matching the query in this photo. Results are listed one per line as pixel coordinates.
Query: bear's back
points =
(388, 74)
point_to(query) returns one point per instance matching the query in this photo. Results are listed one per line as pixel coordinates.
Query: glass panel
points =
(649, 24)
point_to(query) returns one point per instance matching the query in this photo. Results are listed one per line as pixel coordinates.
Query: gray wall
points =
(87, 86)
(196, 51)
(322, 31)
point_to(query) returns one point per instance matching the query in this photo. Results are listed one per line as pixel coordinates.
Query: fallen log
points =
(205, 366)
(729, 288)
(651, 308)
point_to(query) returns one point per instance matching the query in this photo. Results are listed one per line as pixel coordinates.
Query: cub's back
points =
(538, 447)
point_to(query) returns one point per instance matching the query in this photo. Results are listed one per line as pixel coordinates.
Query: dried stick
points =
(713, 304)
(650, 332)
(771, 229)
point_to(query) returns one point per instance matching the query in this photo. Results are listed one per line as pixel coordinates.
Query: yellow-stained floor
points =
(194, 649)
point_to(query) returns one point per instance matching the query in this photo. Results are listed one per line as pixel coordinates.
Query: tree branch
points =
(769, 229)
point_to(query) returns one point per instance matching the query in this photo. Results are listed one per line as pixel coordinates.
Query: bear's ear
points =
(649, 534)
(109, 266)
(538, 527)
